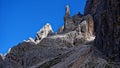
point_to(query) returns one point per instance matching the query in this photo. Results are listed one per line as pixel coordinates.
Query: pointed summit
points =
(44, 32)
(67, 11)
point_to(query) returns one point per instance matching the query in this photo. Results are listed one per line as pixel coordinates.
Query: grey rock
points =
(77, 18)
(60, 30)
(26, 55)
(106, 15)
(90, 22)
(60, 40)
(31, 40)
(72, 46)
(67, 14)
(1, 58)
(44, 32)
(83, 24)
(68, 21)
(69, 24)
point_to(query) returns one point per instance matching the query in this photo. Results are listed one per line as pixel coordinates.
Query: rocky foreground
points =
(73, 46)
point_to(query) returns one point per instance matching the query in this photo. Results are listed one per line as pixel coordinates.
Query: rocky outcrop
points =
(1, 58)
(27, 55)
(62, 40)
(106, 15)
(60, 30)
(44, 32)
(72, 46)
(83, 24)
(31, 40)
(49, 49)
(69, 24)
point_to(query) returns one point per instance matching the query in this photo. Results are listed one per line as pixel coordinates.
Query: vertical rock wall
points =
(106, 15)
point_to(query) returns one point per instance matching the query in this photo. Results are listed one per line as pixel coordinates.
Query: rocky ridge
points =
(48, 48)
(72, 46)
(42, 33)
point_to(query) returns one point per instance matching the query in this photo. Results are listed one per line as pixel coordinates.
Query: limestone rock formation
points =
(73, 46)
(60, 30)
(106, 15)
(44, 32)
(1, 58)
(67, 11)
(31, 40)
(49, 49)
(60, 40)
(69, 24)
(80, 23)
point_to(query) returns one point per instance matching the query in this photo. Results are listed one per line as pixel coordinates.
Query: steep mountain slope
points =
(48, 49)
(106, 15)
(73, 45)
(1, 58)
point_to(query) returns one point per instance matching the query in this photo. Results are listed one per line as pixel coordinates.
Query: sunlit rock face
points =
(106, 15)
(83, 24)
(73, 46)
(69, 24)
(49, 49)
(44, 32)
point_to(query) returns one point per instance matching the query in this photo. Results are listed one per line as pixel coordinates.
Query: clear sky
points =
(21, 19)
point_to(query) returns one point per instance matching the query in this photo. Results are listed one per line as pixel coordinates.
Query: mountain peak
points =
(73, 46)
(67, 10)
(44, 32)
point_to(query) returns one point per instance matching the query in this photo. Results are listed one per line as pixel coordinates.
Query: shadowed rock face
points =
(106, 15)
(1, 58)
(72, 46)
(47, 50)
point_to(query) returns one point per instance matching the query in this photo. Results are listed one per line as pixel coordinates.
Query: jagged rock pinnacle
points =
(44, 32)
(73, 45)
(67, 10)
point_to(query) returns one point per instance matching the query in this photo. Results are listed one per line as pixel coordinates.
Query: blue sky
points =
(21, 19)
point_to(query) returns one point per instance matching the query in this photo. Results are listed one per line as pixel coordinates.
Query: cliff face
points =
(106, 15)
(72, 46)
(1, 58)
(49, 49)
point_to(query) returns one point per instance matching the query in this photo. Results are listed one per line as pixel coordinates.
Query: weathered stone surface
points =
(31, 40)
(26, 55)
(60, 30)
(77, 18)
(80, 23)
(60, 40)
(44, 32)
(1, 58)
(90, 23)
(69, 24)
(106, 15)
(67, 14)
(72, 46)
